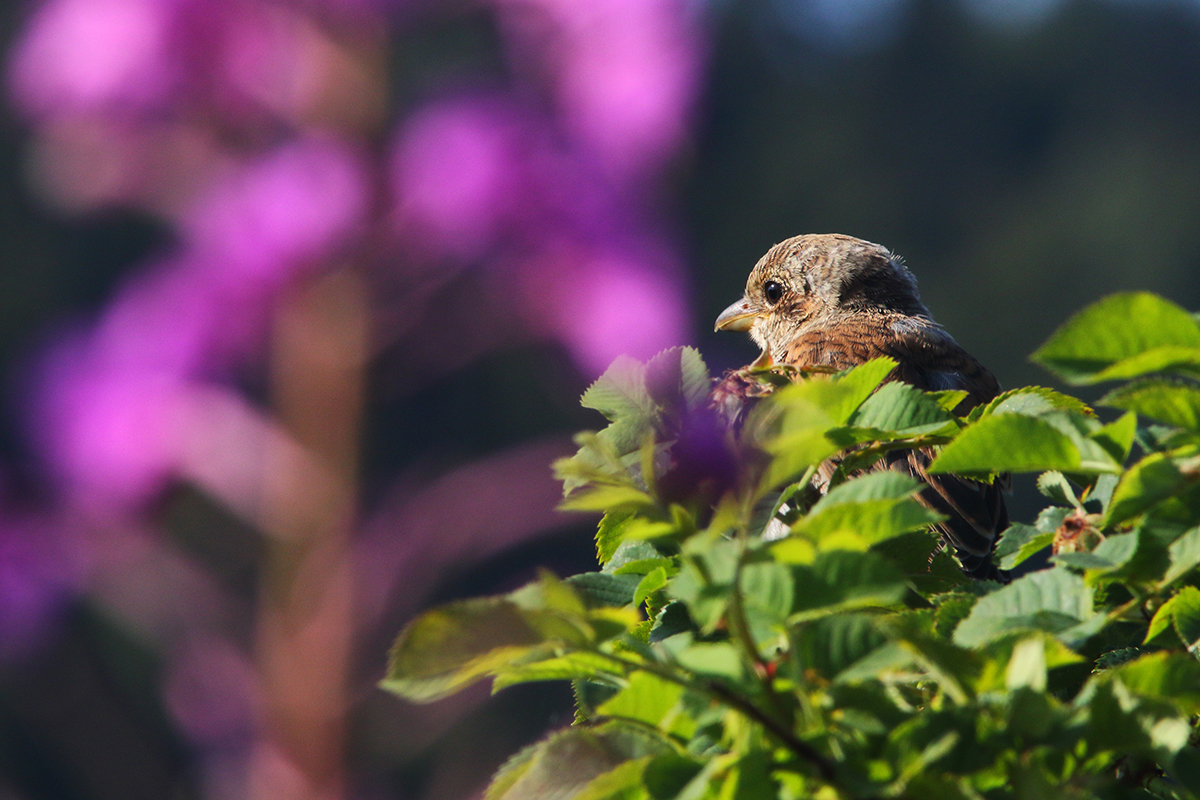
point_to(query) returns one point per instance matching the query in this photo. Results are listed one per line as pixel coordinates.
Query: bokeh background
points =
(297, 298)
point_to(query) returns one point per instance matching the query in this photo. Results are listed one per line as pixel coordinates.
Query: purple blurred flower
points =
(39, 571)
(458, 171)
(626, 72)
(81, 54)
(280, 213)
(112, 404)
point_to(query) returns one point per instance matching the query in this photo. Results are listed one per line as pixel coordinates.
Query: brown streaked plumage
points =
(829, 300)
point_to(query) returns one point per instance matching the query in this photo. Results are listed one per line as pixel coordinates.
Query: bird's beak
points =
(739, 316)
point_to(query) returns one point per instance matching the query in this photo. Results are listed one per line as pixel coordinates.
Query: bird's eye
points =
(773, 291)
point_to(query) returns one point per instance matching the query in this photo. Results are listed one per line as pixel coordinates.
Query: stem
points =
(735, 701)
(739, 626)
(804, 750)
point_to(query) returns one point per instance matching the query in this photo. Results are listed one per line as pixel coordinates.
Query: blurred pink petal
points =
(615, 306)
(211, 691)
(626, 71)
(87, 53)
(289, 207)
(456, 171)
(104, 430)
(41, 568)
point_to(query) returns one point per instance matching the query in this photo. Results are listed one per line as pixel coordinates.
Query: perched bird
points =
(834, 301)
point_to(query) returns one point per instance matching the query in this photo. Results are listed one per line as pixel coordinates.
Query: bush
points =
(851, 658)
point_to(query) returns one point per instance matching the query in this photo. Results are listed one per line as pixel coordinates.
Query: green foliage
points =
(750, 637)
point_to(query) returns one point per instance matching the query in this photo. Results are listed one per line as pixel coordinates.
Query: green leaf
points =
(881, 485)
(1111, 554)
(650, 583)
(1185, 613)
(1008, 443)
(1052, 600)
(572, 666)
(831, 644)
(647, 698)
(1173, 677)
(1161, 623)
(677, 377)
(858, 383)
(1054, 485)
(622, 782)
(621, 391)
(601, 590)
(1185, 556)
(900, 410)
(611, 533)
(1029, 401)
(767, 598)
(1172, 401)
(716, 659)
(843, 580)
(1121, 336)
(1027, 666)
(1115, 658)
(1146, 483)
(857, 526)
(1117, 437)
(1020, 542)
(607, 498)
(563, 766)
(948, 399)
(455, 645)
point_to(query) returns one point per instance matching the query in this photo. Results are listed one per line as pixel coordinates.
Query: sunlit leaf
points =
(563, 766)
(1146, 483)
(1172, 401)
(1008, 443)
(1029, 401)
(1122, 336)
(902, 410)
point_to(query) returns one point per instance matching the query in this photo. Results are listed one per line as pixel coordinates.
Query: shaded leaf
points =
(1185, 556)
(1020, 542)
(1053, 600)
(1175, 402)
(447, 648)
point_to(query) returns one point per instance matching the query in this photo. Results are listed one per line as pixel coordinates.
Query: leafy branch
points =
(755, 633)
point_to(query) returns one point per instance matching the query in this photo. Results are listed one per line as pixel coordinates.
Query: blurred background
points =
(297, 299)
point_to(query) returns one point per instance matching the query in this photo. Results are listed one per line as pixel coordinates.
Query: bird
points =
(830, 302)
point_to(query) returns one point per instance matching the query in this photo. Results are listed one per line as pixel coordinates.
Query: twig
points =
(804, 750)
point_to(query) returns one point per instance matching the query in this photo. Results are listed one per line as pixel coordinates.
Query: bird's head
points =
(815, 281)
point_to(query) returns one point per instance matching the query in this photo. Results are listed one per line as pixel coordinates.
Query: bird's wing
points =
(975, 511)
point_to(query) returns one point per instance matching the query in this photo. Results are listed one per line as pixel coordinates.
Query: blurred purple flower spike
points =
(626, 73)
(606, 304)
(81, 54)
(39, 566)
(278, 214)
(457, 174)
(114, 404)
